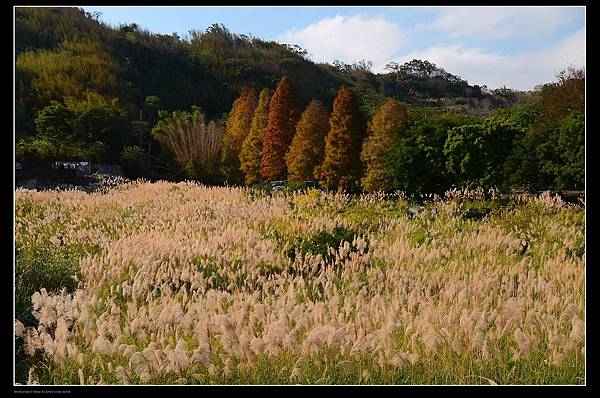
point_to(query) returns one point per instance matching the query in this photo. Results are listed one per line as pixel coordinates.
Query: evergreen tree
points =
(476, 153)
(236, 131)
(251, 152)
(94, 128)
(387, 124)
(308, 145)
(341, 167)
(563, 156)
(416, 163)
(281, 126)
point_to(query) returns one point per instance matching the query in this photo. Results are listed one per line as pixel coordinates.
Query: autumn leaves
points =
(279, 143)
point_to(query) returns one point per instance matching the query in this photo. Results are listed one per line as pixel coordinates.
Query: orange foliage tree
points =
(251, 152)
(308, 145)
(341, 167)
(236, 131)
(281, 126)
(390, 121)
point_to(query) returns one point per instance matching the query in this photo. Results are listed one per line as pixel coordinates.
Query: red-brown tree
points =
(281, 126)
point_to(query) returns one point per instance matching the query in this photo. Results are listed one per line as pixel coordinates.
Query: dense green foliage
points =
(475, 151)
(417, 162)
(567, 146)
(538, 145)
(320, 242)
(92, 128)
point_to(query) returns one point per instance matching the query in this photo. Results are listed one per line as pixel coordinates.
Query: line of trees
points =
(538, 145)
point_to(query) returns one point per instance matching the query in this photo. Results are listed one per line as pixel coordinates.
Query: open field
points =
(165, 283)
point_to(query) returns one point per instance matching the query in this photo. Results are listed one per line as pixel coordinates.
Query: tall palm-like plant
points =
(195, 143)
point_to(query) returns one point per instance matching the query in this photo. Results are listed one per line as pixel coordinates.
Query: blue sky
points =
(519, 47)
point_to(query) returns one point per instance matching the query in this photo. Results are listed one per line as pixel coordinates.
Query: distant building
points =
(81, 168)
(47, 173)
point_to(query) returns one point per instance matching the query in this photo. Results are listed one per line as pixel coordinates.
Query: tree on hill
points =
(341, 168)
(387, 124)
(564, 96)
(563, 155)
(251, 152)
(280, 130)
(476, 153)
(416, 163)
(94, 128)
(236, 130)
(551, 153)
(308, 146)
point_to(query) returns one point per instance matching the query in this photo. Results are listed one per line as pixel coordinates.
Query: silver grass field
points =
(179, 283)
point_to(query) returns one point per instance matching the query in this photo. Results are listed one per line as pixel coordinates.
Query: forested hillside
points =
(87, 90)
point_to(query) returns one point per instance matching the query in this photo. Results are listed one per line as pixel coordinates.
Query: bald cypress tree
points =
(251, 152)
(308, 145)
(281, 126)
(236, 131)
(387, 124)
(341, 168)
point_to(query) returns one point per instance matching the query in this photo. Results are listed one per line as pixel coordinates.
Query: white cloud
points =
(349, 39)
(501, 22)
(352, 38)
(521, 71)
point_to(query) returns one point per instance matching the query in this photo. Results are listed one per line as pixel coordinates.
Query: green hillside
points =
(92, 91)
(64, 52)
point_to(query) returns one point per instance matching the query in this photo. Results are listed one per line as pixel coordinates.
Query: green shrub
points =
(320, 242)
(42, 266)
(45, 266)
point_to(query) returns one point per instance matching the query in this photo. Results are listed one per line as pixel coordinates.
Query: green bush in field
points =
(40, 266)
(320, 242)
(45, 266)
(133, 161)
